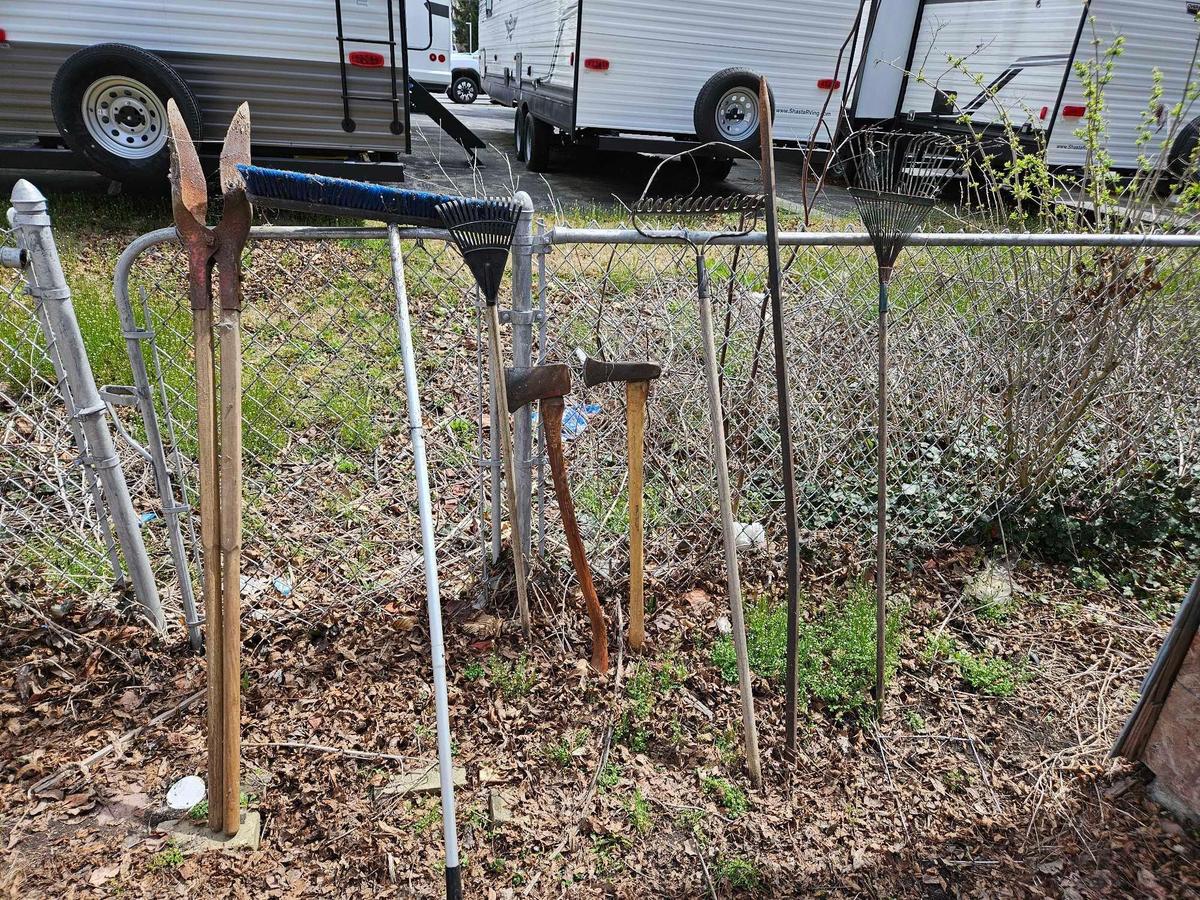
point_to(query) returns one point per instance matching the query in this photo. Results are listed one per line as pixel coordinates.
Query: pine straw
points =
(954, 794)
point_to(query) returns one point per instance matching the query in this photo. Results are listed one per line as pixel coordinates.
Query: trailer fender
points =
(109, 103)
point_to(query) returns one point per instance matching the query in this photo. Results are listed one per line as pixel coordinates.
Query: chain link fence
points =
(1026, 375)
(57, 539)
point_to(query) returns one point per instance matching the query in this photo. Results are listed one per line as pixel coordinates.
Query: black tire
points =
(463, 89)
(519, 133)
(1183, 168)
(715, 168)
(706, 115)
(80, 77)
(538, 135)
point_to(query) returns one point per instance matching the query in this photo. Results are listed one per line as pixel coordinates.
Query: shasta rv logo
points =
(510, 25)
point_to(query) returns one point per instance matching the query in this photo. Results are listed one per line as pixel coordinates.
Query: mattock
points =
(549, 384)
(220, 488)
(637, 376)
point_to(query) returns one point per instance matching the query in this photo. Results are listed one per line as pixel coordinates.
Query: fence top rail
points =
(559, 235)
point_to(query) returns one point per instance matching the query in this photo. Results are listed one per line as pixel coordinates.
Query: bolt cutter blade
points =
(236, 151)
(189, 191)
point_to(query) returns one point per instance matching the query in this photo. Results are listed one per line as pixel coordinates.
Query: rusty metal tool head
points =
(527, 384)
(189, 204)
(234, 227)
(599, 371)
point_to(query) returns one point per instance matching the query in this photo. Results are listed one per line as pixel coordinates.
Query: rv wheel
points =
(1182, 164)
(538, 135)
(726, 109)
(463, 89)
(519, 133)
(110, 105)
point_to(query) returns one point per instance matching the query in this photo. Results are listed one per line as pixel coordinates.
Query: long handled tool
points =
(339, 196)
(220, 488)
(433, 601)
(637, 376)
(549, 384)
(748, 207)
(895, 179)
(483, 230)
(784, 403)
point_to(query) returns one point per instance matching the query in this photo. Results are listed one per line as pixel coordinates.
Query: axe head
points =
(525, 384)
(598, 371)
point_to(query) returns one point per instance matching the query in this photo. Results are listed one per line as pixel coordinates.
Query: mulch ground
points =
(611, 795)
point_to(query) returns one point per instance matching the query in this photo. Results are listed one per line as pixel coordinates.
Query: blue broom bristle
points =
(325, 195)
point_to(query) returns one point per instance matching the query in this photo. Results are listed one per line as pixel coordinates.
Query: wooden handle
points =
(210, 543)
(635, 429)
(552, 417)
(231, 566)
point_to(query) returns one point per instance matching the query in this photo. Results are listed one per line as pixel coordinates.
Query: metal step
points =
(420, 100)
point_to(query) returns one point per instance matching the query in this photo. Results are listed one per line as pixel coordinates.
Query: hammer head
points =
(525, 384)
(598, 371)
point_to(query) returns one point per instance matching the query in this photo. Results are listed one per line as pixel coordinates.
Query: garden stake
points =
(549, 384)
(433, 601)
(748, 207)
(783, 399)
(637, 377)
(894, 180)
(483, 231)
(220, 491)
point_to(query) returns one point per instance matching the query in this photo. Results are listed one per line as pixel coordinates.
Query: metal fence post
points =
(49, 287)
(522, 352)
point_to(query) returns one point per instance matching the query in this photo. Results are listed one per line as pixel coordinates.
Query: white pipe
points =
(433, 600)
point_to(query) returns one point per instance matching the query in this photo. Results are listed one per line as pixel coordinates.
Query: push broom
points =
(337, 196)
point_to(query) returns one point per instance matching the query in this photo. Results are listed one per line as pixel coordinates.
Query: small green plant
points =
(956, 781)
(739, 873)
(726, 746)
(199, 812)
(427, 820)
(562, 752)
(937, 646)
(987, 674)
(497, 866)
(347, 466)
(730, 796)
(170, 857)
(766, 643)
(610, 776)
(915, 721)
(639, 812)
(474, 670)
(514, 680)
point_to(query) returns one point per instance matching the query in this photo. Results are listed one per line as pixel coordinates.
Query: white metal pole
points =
(433, 600)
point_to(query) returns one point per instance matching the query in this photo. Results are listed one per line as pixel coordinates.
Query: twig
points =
(340, 751)
(51, 780)
(704, 866)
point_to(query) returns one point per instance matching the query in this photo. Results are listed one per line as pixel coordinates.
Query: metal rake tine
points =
(236, 150)
(189, 190)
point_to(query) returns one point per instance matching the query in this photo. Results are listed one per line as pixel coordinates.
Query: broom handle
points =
(881, 502)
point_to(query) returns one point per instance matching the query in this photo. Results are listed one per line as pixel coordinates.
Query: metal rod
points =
(31, 220)
(860, 239)
(433, 601)
(522, 354)
(784, 405)
(881, 498)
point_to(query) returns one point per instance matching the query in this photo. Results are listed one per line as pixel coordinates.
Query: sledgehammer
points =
(637, 376)
(549, 384)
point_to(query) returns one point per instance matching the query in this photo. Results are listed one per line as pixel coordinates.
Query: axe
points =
(637, 376)
(549, 384)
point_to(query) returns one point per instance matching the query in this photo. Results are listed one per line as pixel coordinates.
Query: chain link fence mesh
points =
(55, 534)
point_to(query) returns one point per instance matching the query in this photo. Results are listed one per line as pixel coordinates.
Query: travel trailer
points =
(656, 76)
(319, 74)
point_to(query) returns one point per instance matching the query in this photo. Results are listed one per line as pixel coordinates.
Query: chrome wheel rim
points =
(737, 114)
(464, 90)
(124, 117)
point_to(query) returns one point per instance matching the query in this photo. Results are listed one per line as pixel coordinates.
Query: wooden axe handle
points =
(552, 417)
(635, 430)
(231, 567)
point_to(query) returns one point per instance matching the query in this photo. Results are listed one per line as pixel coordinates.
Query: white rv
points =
(657, 76)
(933, 62)
(317, 73)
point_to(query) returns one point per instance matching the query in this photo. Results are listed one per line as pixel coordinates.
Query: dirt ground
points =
(627, 786)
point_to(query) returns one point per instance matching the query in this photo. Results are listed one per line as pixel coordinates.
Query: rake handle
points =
(635, 429)
(552, 418)
(881, 500)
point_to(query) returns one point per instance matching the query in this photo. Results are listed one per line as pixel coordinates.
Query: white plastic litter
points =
(186, 793)
(750, 536)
